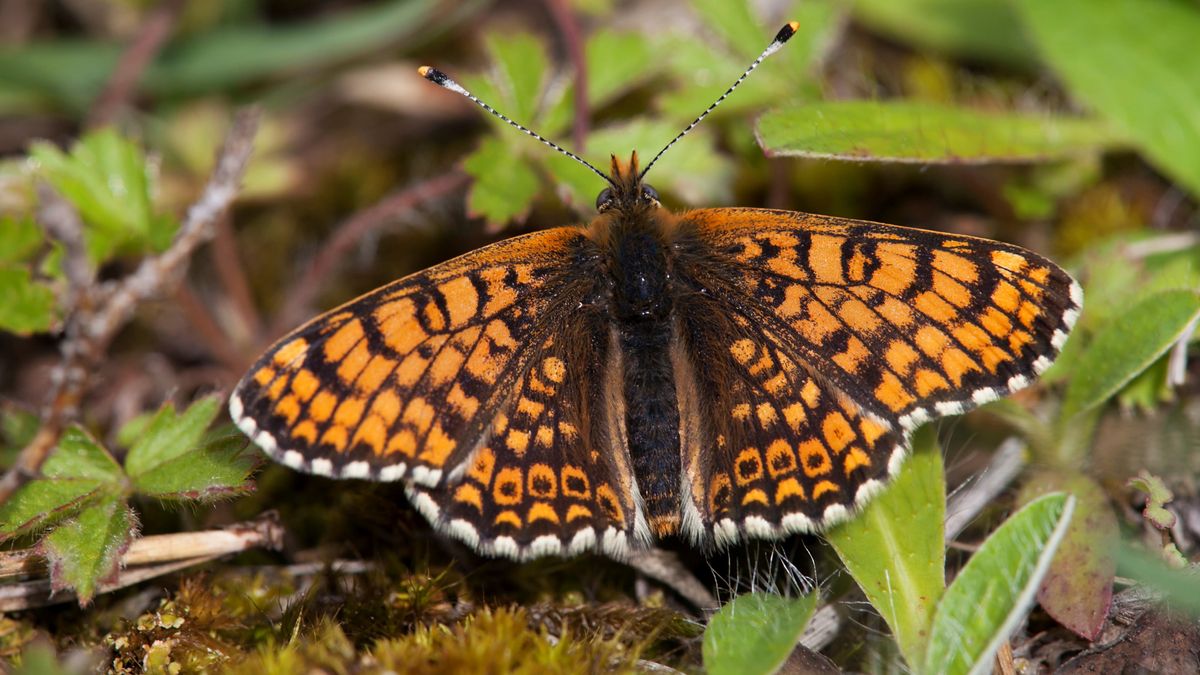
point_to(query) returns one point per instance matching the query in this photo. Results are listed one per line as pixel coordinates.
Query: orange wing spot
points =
(793, 301)
(825, 259)
(375, 374)
(499, 334)
(1028, 313)
(322, 406)
(349, 412)
(372, 433)
(499, 294)
(931, 341)
(857, 266)
(950, 290)
(304, 384)
(554, 369)
(276, 390)
(397, 322)
(482, 466)
(870, 430)
(289, 353)
(780, 458)
(996, 322)
(411, 369)
(741, 412)
(763, 365)
(776, 384)
(575, 483)
(854, 355)
(508, 517)
(1009, 261)
(577, 511)
(1006, 296)
(814, 458)
(445, 366)
(898, 271)
(932, 305)
(891, 393)
(811, 393)
(529, 407)
(956, 266)
(500, 423)
(896, 313)
(483, 364)
(823, 487)
(543, 511)
(748, 466)
(289, 407)
(855, 458)
(569, 430)
(743, 350)
(928, 381)
(517, 441)
(507, 490)
(335, 437)
(462, 300)
(386, 406)
(854, 313)
(542, 482)
(609, 503)
(469, 494)
(837, 432)
(264, 375)
(788, 488)
(418, 413)
(1018, 340)
(719, 493)
(795, 416)
(434, 317)
(976, 340)
(819, 325)
(306, 431)
(465, 406)
(404, 442)
(338, 345)
(438, 446)
(545, 436)
(956, 363)
(766, 414)
(900, 357)
(757, 495)
(1039, 274)
(354, 362)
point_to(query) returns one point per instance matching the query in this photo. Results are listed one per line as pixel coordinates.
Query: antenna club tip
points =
(789, 29)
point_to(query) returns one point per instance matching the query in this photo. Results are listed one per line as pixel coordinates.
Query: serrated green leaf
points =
(168, 436)
(520, 66)
(504, 185)
(895, 548)
(219, 468)
(1126, 345)
(914, 131)
(78, 455)
(26, 306)
(86, 551)
(984, 30)
(755, 633)
(994, 590)
(106, 177)
(1135, 62)
(617, 62)
(21, 237)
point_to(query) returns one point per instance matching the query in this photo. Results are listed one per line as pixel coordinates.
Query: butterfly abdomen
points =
(642, 313)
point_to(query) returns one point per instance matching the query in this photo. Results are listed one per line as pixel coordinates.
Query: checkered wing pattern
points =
(469, 382)
(826, 341)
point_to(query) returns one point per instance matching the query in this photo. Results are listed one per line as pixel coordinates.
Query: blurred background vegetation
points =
(1072, 128)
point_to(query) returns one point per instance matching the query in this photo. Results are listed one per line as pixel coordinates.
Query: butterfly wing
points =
(826, 341)
(476, 381)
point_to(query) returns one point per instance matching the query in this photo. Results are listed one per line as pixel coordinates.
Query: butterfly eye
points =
(603, 198)
(649, 193)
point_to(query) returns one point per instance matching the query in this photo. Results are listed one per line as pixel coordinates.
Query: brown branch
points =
(97, 316)
(564, 19)
(121, 85)
(227, 261)
(207, 328)
(347, 235)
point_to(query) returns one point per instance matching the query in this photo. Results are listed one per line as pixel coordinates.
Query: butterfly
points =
(714, 375)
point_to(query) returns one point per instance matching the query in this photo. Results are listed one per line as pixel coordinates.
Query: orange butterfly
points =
(715, 374)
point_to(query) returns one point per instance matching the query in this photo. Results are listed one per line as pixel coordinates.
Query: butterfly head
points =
(626, 191)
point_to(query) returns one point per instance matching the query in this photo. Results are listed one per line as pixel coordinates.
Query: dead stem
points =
(228, 263)
(121, 86)
(564, 19)
(98, 314)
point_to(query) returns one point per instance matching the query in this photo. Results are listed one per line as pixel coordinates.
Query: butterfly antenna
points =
(443, 80)
(781, 37)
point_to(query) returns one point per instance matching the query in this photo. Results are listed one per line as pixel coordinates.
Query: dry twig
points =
(564, 18)
(121, 85)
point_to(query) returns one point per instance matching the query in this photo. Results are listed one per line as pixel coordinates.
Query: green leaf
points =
(77, 471)
(895, 548)
(1180, 588)
(983, 30)
(913, 131)
(25, 306)
(168, 436)
(995, 588)
(1077, 590)
(1158, 495)
(1126, 345)
(86, 551)
(106, 177)
(21, 236)
(755, 633)
(1135, 62)
(219, 468)
(504, 185)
